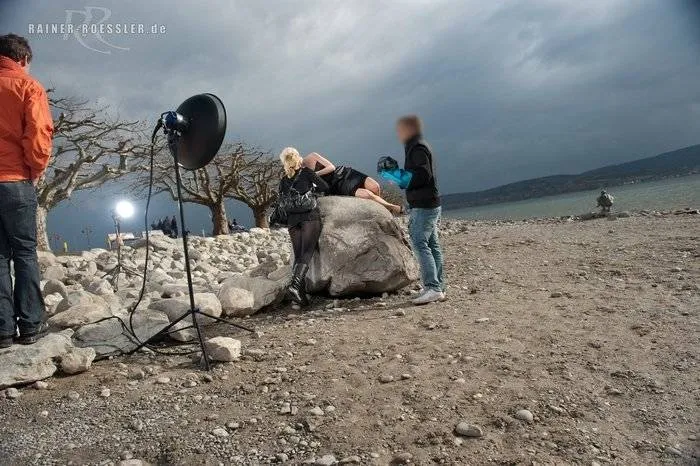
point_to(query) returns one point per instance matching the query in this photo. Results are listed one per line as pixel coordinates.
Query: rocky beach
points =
(563, 341)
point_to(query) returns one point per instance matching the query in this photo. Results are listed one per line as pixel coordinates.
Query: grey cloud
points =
(508, 89)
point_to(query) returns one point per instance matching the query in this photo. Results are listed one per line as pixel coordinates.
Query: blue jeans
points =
(25, 307)
(423, 230)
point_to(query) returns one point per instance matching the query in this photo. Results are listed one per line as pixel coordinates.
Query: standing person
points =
(304, 227)
(166, 226)
(173, 227)
(26, 130)
(423, 199)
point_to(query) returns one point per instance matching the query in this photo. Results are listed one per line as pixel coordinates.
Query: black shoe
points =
(6, 342)
(29, 338)
(296, 291)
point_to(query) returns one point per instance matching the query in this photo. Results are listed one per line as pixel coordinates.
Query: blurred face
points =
(404, 132)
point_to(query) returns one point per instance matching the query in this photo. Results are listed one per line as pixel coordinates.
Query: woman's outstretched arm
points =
(313, 158)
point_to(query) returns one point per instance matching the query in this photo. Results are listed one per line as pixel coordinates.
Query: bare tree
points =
(239, 172)
(257, 184)
(89, 148)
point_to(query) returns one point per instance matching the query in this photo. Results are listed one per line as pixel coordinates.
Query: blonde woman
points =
(346, 181)
(304, 228)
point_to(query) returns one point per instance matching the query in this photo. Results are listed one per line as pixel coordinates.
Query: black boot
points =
(296, 291)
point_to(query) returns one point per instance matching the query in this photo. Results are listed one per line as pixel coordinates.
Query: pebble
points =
(557, 409)
(316, 411)
(163, 380)
(40, 385)
(137, 425)
(402, 458)
(400, 313)
(673, 451)
(524, 415)
(220, 432)
(468, 430)
(105, 393)
(73, 395)
(354, 459)
(326, 460)
(556, 294)
(385, 378)
(12, 393)
(282, 457)
(482, 320)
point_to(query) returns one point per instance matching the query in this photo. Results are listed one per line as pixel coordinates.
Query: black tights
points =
(304, 240)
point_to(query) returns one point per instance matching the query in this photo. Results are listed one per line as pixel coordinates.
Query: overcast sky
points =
(507, 89)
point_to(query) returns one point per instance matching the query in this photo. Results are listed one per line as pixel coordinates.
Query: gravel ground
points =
(561, 343)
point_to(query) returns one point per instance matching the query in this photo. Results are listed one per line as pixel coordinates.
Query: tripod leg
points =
(195, 322)
(160, 333)
(224, 321)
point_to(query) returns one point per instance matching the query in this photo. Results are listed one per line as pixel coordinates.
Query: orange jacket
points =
(26, 127)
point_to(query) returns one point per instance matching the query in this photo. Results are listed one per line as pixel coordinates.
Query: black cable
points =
(129, 330)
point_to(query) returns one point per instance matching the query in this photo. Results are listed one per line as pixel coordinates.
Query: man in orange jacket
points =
(26, 130)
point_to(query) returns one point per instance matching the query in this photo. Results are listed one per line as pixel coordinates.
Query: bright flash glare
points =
(124, 209)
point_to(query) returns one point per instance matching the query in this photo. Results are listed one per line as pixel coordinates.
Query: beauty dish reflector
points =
(202, 131)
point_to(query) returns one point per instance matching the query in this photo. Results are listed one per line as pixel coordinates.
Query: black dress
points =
(306, 180)
(343, 181)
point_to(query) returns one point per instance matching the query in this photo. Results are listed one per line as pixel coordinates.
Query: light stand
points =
(174, 125)
(116, 270)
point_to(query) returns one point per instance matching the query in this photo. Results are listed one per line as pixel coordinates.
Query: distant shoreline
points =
(454, 206)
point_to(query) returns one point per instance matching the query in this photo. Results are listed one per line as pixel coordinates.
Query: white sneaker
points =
(430, 296)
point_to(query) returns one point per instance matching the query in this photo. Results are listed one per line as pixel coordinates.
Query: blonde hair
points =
(291, 160)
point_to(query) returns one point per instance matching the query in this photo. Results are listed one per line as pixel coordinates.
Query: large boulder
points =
(174, 308)
(20, 364)
(265, 290)
(362, 249)
(109, 337)
(79, 315)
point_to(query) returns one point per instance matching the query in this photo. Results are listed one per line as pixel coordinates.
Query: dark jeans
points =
(24, 308)
(305, 237)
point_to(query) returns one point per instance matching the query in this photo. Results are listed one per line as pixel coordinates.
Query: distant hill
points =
(680, 162)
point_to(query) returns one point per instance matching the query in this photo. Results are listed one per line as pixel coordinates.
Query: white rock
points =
(77, 360)
(223, 348)
(174, 308)
(524, 415)
(236, 301)
(79, 315)
(22, 364)
(468, 430)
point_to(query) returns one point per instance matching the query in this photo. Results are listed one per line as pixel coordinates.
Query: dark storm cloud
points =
(508, 89)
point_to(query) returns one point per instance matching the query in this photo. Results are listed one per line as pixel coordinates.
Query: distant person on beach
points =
(26, 130)
(173, 228)
(346, 181)
(605, 202)
(419, 180)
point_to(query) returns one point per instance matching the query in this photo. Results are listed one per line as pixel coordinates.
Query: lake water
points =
(675, 193)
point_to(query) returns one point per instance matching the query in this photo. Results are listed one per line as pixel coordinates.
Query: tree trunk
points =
(261, 218)
(42, 234)
(219, 219)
